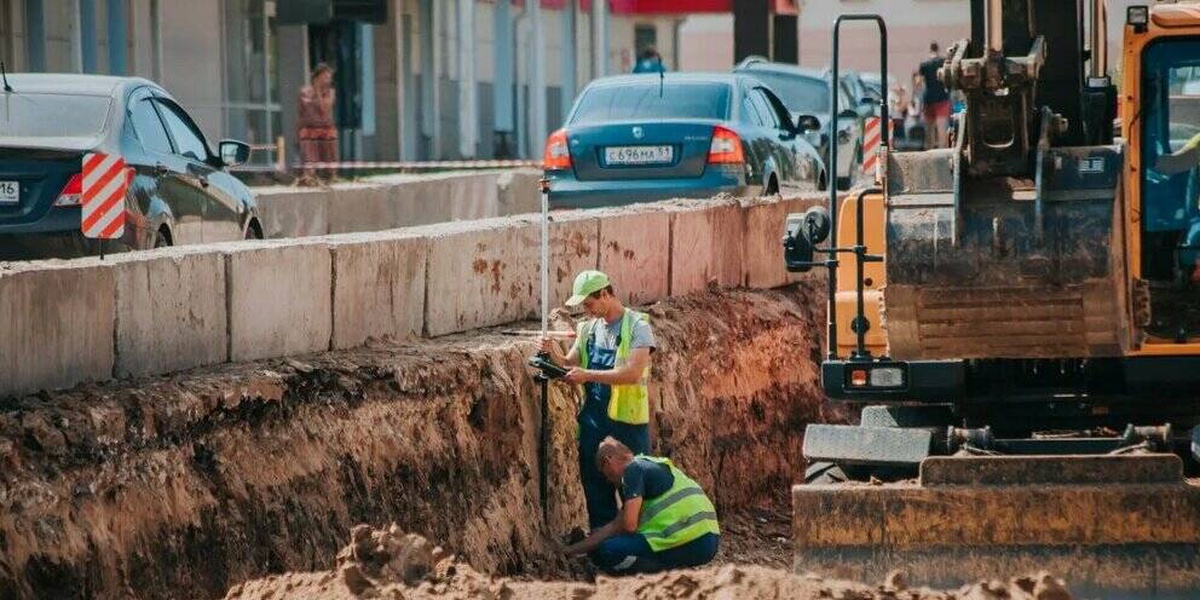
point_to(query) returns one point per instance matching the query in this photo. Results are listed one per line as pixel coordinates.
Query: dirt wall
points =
(179, 487)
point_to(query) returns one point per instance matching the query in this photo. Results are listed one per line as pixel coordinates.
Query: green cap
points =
(586, 284)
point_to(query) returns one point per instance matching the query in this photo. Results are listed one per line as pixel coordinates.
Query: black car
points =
(806, 93)
(635, 138)
(181, 192)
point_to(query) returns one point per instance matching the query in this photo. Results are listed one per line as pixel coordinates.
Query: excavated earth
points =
(389, 563)
(185, 486)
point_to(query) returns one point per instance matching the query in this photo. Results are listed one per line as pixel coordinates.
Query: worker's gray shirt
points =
(602, 356)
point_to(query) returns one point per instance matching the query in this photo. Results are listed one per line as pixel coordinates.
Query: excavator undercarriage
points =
(1018, 308)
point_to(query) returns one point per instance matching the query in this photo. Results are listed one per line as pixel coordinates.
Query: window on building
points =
(148, 127)
(188, 140)
(644, 36)
(252, 109)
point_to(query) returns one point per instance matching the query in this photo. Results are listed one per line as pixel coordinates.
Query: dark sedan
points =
(806, 92)
(640, 139)
(181, 192)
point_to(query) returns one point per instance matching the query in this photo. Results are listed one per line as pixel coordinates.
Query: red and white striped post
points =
(105, 181)
(873, 149)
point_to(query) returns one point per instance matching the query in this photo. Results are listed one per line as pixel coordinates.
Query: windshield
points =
(800, 94)
(52, 115)
(650, 101)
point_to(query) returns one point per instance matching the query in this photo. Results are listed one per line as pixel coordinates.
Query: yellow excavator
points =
(1019, 315)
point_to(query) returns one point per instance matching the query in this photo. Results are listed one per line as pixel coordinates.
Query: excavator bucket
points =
(1005, 268)
(1113, 526)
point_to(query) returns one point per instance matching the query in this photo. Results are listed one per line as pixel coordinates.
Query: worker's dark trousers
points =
(598, 493)
(630, 553)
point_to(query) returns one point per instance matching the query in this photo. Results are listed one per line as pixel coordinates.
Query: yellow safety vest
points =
(628, 404)
(678, 516)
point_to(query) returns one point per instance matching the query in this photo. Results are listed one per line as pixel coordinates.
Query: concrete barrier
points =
(706, 245)
(635, 252)
(287, 212)
(762, 250)
(170, 310)
(486, 273)
(378, 286)
(518, 191)
(394, 201)
(56, 324)
(64, 322)
(279, 298)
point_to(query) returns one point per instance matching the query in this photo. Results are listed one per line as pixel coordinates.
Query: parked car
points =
(805, 92)
(640, 139)
(181, 192)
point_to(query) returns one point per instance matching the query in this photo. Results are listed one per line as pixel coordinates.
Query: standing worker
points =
(935, 101)
(666, 520)
(611, 359)
(317, 131)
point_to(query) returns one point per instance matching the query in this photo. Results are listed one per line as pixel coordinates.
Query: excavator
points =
(1019, 318)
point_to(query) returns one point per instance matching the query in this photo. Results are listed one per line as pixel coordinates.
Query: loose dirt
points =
(183, 486)
(390, 563)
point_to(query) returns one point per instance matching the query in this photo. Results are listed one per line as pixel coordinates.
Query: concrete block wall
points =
(394, 201)
(170, 310)
(67, 322)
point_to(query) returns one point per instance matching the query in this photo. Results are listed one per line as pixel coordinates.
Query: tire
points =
(843, 183)
(254, 231)
(772, 187)
(162, 239)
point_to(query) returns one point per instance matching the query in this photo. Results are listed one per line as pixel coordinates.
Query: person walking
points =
(317, 130)
(666, 520)
(935, 100)
(611, 360)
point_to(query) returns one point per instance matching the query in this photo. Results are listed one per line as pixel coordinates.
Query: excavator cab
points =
(1019, 314)
(1169, 125)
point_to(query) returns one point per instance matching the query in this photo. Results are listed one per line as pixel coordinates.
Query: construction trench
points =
(246, 479)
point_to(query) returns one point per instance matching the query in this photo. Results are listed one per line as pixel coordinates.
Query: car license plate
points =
(638, 155)
(10, 192)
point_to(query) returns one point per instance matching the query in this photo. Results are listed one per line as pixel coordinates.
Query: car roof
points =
(72, 84)
(783, 68)
(668, 78)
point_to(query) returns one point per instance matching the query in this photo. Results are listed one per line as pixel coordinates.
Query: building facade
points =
(431, 79)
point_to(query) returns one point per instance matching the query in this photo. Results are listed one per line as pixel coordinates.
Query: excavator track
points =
(1113, 525)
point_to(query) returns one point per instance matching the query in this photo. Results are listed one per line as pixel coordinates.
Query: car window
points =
(778, 109)
(653, 99)
(770, 119)
(188, 141)
(749, 112)
(800, 94)
(52, 115)
(148, 127)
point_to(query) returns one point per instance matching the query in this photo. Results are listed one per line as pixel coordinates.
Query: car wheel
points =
(843, 183)
(162, 238)
(254, 231)
(772, 187)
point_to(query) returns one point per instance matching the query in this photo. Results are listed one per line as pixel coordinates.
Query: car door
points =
(803, 162)
(222, 211)
(162, 190)
(751, 122)
(779, 136)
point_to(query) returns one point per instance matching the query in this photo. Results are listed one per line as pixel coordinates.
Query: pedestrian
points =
(666, 520)
(317, 131)
(611, 360)
(649, 61)
(935, 100)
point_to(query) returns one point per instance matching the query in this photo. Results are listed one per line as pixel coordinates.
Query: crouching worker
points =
(665, 521)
